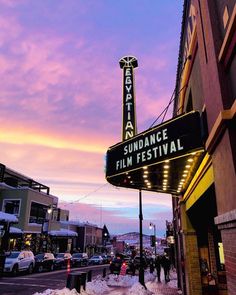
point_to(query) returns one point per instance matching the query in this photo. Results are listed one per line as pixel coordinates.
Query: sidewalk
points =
(123, 285)
(160, 289)
(153, 287)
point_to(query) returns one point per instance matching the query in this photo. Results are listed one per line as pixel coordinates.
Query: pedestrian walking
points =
(158, 267)
(165, 263)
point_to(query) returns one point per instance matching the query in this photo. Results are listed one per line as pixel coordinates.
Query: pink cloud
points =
(11, 3)
(9, 29)
(115, 221)
(61, 98)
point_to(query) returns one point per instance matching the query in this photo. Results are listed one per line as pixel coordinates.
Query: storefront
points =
(62, 240)
(205, 216)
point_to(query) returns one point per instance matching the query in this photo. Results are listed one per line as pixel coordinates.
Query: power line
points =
(88, 194)
(174, 94)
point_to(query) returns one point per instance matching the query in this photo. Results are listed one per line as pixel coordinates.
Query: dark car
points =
(62, 260)
(130, 268)
(109, 258)
(115, 264)
(79, 259)
(44, 261)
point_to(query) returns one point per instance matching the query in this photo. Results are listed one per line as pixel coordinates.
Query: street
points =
(25, 284)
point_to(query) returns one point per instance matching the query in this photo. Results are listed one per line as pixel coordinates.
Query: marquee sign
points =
(128, 63)
(171, 141)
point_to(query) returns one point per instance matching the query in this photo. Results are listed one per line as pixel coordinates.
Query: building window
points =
(12, 207)
(189, 106)
(221, 256)
(37, 213)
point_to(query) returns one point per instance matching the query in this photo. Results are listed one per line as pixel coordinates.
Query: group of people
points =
(163, 261)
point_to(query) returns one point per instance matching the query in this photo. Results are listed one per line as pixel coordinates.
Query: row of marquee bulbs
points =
(185, 173)
(166, 167)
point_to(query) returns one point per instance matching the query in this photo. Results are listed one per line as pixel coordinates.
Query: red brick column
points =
(193, 278)
(227, 225)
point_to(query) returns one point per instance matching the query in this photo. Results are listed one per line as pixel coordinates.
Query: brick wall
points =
(193, 278)
(229, 242)
(211, 246)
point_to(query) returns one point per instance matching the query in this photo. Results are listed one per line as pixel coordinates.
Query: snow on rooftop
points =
(15, 230)
(72, 222)
(6, 217)
(4, 185)
(63, 233)
(78, 223)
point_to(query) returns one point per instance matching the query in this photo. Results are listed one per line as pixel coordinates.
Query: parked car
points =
(130, 267)
(44, 261)
(79, 259)
(18, 261)
(115, 264)
(109, 258)
(62, 260)
(96, 259)
(105, 259)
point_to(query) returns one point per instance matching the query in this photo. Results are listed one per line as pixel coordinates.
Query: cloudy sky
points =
(61, 96)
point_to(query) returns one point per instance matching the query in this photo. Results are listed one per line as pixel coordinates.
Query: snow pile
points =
(127, 280)
(149, 277)
(121, 281)
(96, 287)
(64, 291)
(138, 289)
(107, 286)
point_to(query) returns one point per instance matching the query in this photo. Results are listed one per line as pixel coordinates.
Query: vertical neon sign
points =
(129, 129)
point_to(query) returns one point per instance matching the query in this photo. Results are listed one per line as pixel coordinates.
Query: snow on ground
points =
(115, 284)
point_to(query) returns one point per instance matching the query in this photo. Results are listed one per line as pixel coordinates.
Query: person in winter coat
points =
(165, 263)
(158, 267)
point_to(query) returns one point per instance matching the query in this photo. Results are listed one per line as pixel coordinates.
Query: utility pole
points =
(141, 269)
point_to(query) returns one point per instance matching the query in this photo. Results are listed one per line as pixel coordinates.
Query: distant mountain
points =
(132, 238)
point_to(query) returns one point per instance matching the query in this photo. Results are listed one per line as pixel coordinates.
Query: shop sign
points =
(170, 140)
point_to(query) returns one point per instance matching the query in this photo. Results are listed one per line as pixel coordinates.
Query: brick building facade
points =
(205, 214)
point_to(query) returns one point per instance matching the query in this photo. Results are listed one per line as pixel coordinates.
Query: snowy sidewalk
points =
(123, 285)
(153, 287)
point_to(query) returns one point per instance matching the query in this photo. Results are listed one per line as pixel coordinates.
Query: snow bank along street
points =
(123, 285)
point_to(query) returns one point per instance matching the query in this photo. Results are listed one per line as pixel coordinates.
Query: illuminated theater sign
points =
(162, 158)
(128, 63)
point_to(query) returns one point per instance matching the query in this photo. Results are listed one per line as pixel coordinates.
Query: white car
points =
(96, 259)
(19, 261)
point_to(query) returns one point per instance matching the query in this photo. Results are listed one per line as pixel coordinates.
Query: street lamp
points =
(45, 227)
(152, 225)
(105, 239)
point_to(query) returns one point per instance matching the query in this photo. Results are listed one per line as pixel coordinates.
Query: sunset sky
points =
(61, 97)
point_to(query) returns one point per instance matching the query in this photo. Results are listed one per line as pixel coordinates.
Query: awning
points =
(6, 217)
(63, 233)
(161, 159)
(15, 230)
